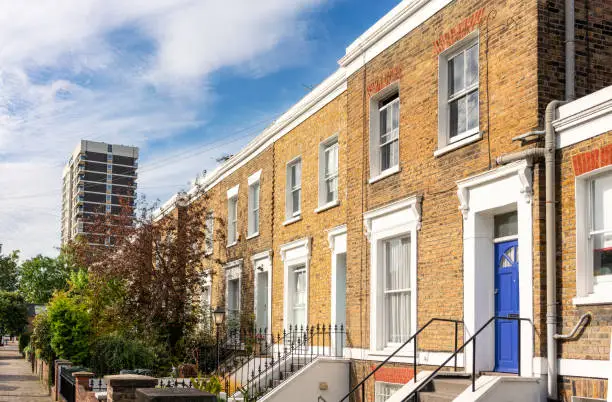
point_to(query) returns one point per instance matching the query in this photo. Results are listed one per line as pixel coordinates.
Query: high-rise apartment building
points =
(99, 179)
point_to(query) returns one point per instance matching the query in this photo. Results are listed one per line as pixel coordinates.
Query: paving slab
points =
(17, 383)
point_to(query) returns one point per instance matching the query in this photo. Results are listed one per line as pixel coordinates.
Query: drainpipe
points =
(570, 51)
(548, 152)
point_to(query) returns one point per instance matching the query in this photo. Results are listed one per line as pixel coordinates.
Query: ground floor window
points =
(384, 390)
(396, 289)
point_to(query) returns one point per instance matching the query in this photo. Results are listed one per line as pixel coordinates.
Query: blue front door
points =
(506, 304)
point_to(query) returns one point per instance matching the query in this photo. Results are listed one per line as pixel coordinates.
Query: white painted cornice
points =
(520, 168)
(381, 28)
(296, 244)
(413, 203)
(584, 118)
(333, 233)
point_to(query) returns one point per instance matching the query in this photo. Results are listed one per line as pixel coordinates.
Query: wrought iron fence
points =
(174, 383)
(97, 384)
(272, 359)
(67, 383)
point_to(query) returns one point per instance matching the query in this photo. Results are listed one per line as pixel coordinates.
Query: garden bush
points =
(112, 353)
(24, 340)
(41, 337)
(70, 328)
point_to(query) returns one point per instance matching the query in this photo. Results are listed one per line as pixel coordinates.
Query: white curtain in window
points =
(254, 209)
(601, 225)
(299, 296)
(397, 289)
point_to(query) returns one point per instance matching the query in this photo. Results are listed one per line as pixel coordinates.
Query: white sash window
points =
(600, 228)
(396, 285)
(299, 296)
(389, 133)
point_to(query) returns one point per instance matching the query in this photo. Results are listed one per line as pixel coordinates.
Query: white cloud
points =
(131, 72)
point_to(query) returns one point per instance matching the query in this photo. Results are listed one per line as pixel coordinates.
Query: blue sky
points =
(185, 80)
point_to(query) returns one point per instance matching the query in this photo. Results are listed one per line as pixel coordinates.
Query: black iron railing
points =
(413, 396)
(280, 356)
(361, 386)
(68, 382)
(97, 384)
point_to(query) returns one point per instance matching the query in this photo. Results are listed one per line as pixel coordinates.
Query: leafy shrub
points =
(112, 353)
(70, 328)
(24, 340)
(41, 337)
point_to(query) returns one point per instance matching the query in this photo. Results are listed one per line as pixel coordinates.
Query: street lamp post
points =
(219, 317)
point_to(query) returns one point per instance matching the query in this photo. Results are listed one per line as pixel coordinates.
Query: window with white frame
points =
(294, 189)
(388, 142)
(232, 220)
(253, 227)
(384, 390)
(396, 289)
(328, 171)
(209, 227)
(298, 295)
(458, 92)
(600, 227)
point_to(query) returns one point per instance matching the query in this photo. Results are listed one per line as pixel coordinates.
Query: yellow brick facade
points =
(513, 91)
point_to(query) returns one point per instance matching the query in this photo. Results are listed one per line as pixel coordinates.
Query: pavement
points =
(17, 383)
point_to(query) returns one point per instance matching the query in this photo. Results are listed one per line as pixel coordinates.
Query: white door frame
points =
(262, 262)
(337, 244)
(293, 254)
(481, 197)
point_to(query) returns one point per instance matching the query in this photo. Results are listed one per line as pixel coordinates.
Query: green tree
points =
(13, 313)
(9, 271)
(41, 276)
(70, 327)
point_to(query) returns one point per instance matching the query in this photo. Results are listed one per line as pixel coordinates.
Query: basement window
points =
(384, 390)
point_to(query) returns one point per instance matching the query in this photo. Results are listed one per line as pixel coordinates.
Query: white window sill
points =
(208, 253)
(386, 173)
(386, 352)
(458, 144)
(292, 220)
(327, 206)
(251, 236)
(232, 244)
(593, 299)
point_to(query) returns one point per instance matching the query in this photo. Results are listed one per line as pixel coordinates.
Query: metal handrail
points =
(414, 363)
(425, 382)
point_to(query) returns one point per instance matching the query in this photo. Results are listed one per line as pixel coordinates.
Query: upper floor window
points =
(232, 215)
(328, 171)
(384, 133)
(458, 92)
(209, 227)
(294, 189)
(254, 208)
(389, 133)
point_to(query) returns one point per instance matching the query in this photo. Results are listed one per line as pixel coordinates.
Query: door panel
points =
(506, 304)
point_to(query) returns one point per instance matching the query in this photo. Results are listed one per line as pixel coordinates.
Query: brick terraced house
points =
(445, 197)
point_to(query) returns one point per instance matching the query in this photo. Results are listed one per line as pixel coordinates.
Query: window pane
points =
(395, 115)
(602, 202)
(602, 254)
(295, 200)
(472, 110)
(455, 74)
(472, 65)
(601, 196)
(457, 117)
(397, 311)
(505, 224)
(383, 123)
(331, 186)
(397, 253)
(298, 174)
(385, 157)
